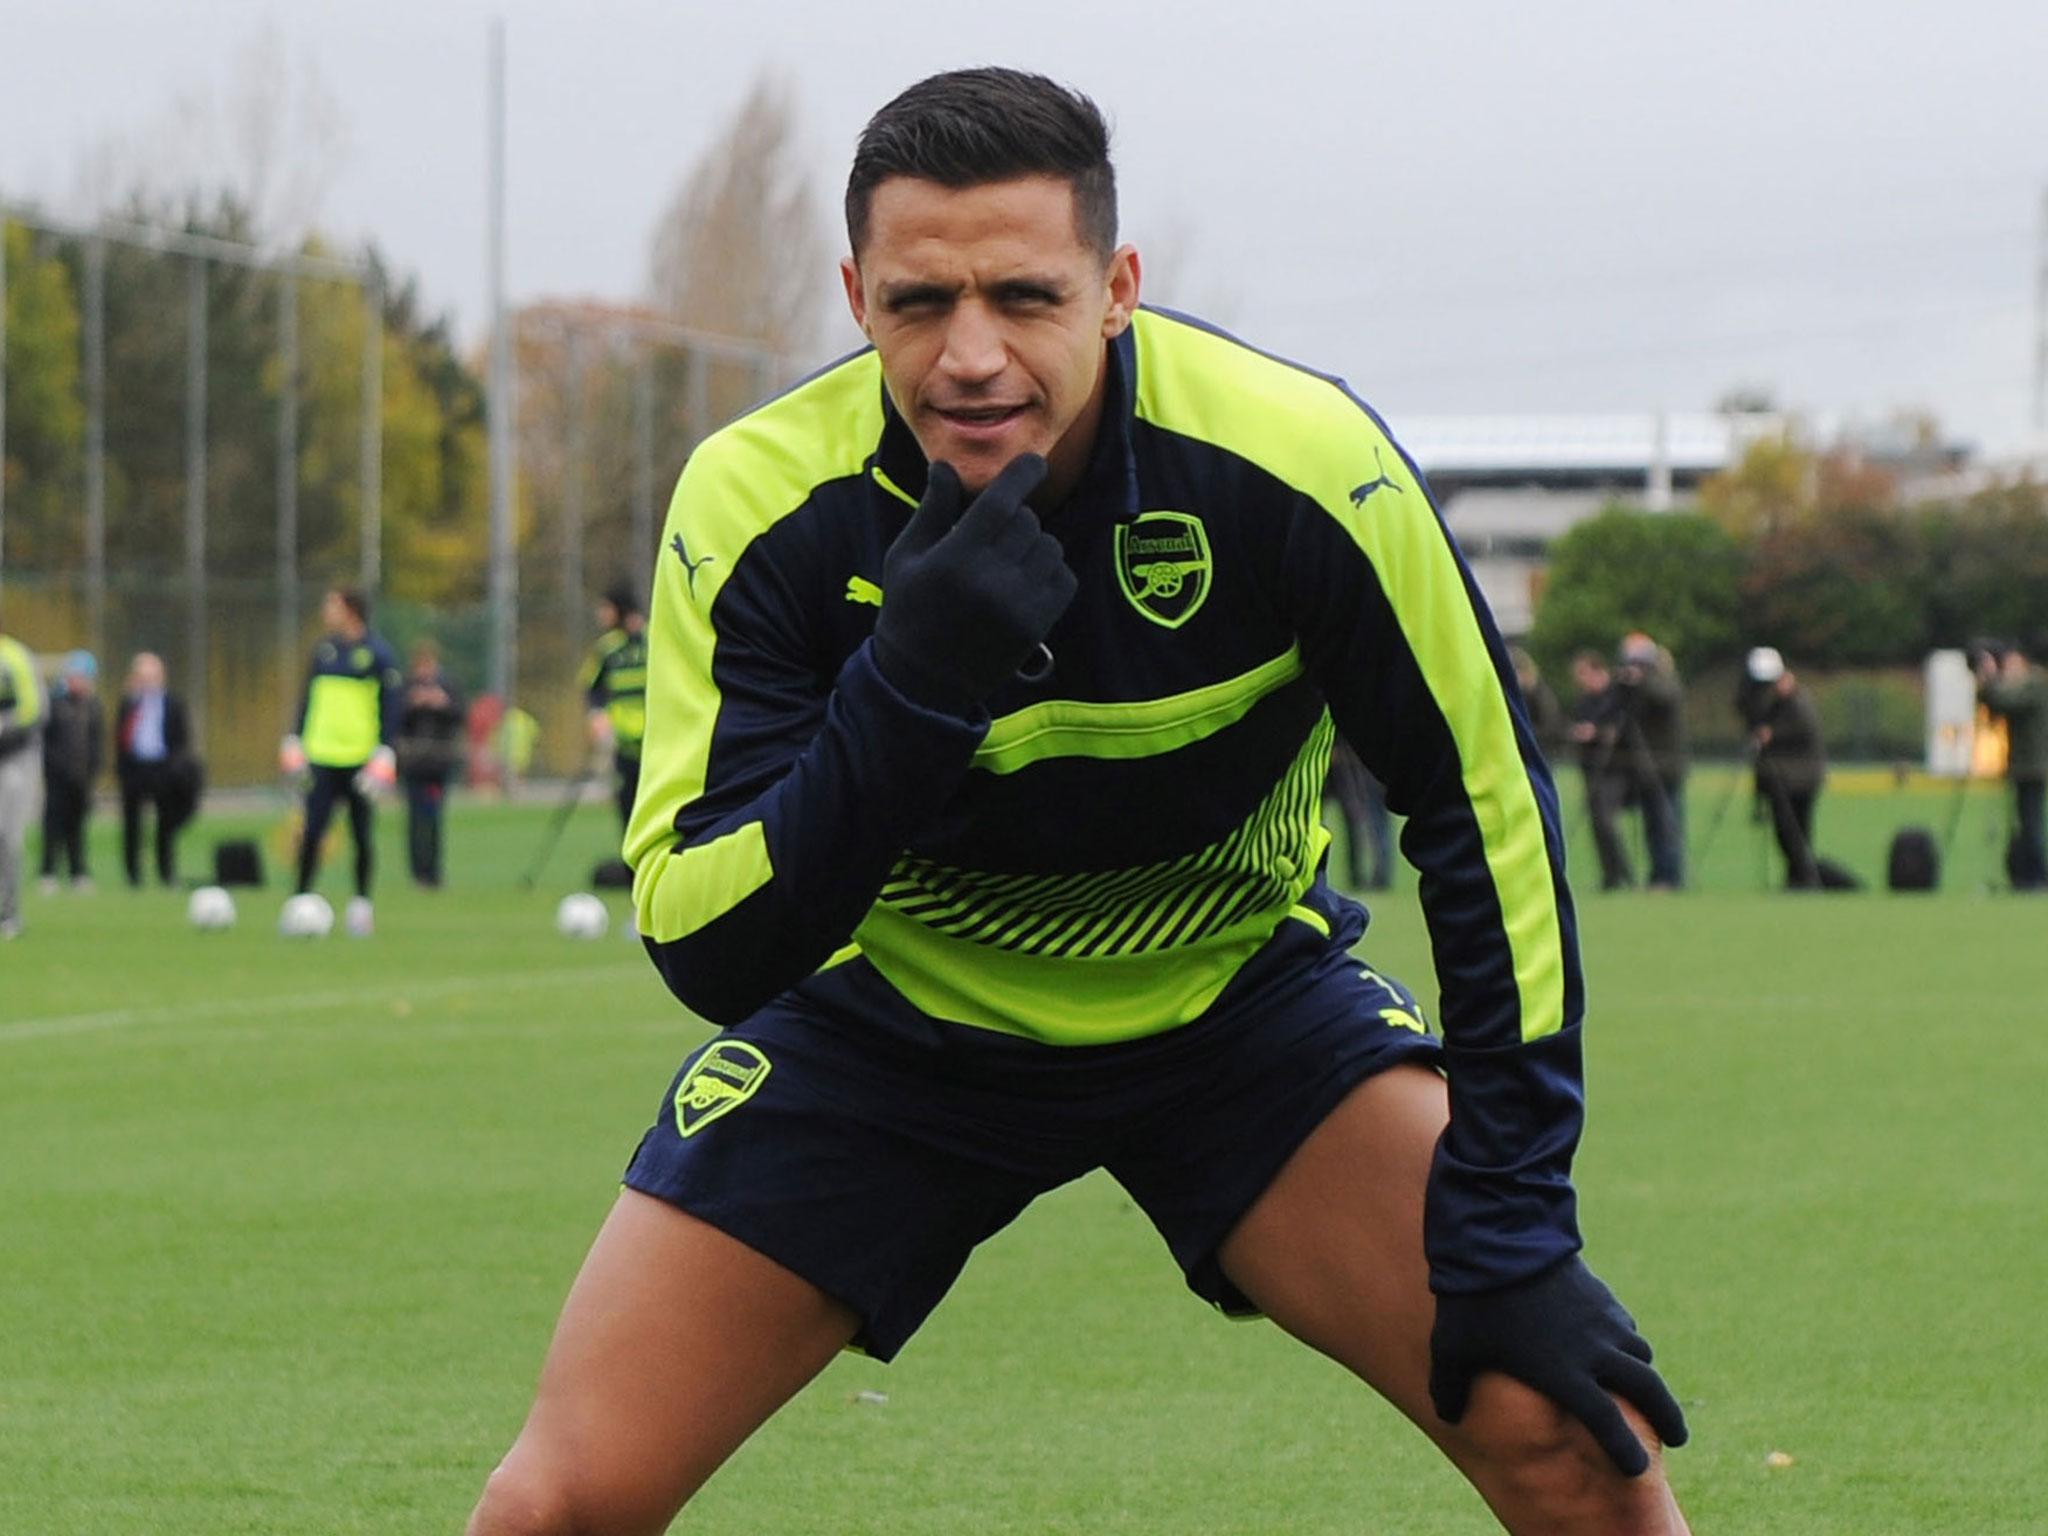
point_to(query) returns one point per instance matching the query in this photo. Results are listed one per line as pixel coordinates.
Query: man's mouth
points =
(971, 416)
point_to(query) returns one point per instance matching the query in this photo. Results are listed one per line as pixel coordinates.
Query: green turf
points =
(283, 1228)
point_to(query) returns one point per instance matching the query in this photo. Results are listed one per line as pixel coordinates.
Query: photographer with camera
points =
(2011, 686)
(1784, 734)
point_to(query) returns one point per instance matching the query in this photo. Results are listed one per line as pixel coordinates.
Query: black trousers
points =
(629, 786)
(146, 786)
(2030, 857)
(1792, 821)
(328, 786)
(424, 799)
(65, 808)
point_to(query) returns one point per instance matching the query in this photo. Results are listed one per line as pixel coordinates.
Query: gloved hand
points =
(967, 596)
(379, 773)
(1563, 1333)
(291, 756)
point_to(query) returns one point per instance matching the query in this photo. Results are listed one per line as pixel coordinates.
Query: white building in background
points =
(1509, 486)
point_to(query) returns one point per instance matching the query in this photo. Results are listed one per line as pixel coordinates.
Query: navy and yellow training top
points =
(615, 681)
(351, 704)
(1095, 856)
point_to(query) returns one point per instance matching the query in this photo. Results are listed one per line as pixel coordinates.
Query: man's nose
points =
(975, 350)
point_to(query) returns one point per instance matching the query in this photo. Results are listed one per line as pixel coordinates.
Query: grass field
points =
(283, 1228)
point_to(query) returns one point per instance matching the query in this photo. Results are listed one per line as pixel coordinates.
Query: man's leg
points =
(1603, 807)
(319, 807)
(132, 797)
(53, 828)
(676, 1343)
(2028, 795)
(1332, 1252)
(362, 829)
(20, 778)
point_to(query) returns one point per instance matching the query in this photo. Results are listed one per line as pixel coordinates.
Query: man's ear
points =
(856, 295)
(1122, 282)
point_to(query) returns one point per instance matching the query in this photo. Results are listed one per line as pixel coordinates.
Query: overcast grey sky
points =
(1588, 205)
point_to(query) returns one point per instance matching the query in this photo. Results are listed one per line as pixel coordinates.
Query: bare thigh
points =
(676, 1343)
(1332, 1252)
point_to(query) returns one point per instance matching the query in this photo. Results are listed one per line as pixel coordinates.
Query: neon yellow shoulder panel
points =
(738, 484)
(1308, 434)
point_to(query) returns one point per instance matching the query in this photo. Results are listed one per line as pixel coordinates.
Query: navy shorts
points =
(870, 1161)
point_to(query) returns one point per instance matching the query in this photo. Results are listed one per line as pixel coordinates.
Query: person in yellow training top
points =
(993, 675)
(615, 684)
(348, 719)
(21, 771)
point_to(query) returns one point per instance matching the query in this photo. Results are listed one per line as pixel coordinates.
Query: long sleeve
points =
(1417, 677)
(774, 796)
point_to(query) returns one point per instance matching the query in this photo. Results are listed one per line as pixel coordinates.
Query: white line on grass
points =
(305, 1002)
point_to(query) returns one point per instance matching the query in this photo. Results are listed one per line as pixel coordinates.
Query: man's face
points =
(989, 313)
(334, 613)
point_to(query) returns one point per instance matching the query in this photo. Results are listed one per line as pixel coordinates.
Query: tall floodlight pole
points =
(370, 473)
(504, 593)
(572, 491)
(3, 394)
(643, 462)
(195, 488)
(2041, 325)
(287, 481)
(96, 442)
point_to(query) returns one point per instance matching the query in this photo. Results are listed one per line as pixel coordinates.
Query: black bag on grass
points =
(237, 862)
(1915, 862)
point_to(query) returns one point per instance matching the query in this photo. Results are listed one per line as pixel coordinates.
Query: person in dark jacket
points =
(1650, 749)
(1546, 715)
(74, 752)
(152, 760)
(2012, 686)
(1791, 765)
(1595, 730)
(429, 756)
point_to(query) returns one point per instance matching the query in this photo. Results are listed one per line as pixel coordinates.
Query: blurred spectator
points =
(154, 765)
(74, 752)
(1784, 733)
(1595, 729)
(21, 770)
(429, 757)
(2011, 685)
(1546, 715)
(1368, 829)
(1650, 750)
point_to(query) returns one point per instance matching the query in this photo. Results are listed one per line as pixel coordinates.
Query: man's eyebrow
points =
(916, 291)
(1047, 288)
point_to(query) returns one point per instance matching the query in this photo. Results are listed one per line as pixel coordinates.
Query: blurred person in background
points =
(1546, 715)
(347, 719)
(615, 688)
(429, 756)
(74, 752)
(153, 745)
(2013, 687)
(21, 769)
(1791, 764)
(1368, 828)
(1595, 728)
(1650, 750)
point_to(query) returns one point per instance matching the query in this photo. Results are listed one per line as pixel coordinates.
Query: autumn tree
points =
(740, 250)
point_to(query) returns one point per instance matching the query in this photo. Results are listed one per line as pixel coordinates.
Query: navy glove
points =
(1564, 1334)
(967, 597)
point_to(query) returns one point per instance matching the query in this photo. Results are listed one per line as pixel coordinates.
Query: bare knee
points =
(530, 1495)
(1542, 1471)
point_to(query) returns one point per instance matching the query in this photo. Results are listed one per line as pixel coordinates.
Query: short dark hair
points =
(969, 127)
(623, 598)
(355, 601)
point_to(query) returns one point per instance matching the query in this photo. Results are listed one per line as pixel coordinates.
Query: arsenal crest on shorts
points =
(723, 1079)
(1163, 565)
